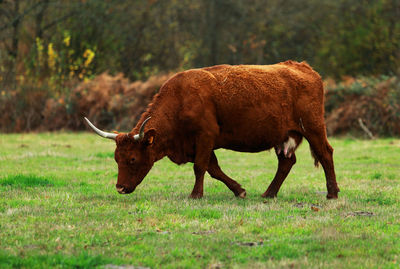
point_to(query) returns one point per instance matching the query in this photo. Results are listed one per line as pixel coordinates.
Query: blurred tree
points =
(364, 40)
(143, 37)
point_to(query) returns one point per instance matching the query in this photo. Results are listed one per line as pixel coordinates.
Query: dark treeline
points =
(59, 40)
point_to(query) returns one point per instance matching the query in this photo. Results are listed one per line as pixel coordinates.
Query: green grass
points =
(59, 208)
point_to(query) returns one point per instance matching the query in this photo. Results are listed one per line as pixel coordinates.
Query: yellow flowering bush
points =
(60, 63)
(52, 56)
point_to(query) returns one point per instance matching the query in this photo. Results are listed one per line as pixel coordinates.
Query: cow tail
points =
(316, 161)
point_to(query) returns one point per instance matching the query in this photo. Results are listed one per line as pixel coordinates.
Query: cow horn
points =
(140, 136)
(100, 132)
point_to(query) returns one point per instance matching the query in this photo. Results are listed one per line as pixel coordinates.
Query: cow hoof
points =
(196, 195)
(268, 195)
(332, 196)
(242, 195)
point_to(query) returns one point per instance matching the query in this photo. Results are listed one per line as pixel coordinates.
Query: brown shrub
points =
(109, 101)
(21, 110)
(376, 102)
(113, 102)
(55, 115)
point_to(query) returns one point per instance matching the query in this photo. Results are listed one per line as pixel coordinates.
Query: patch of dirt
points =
(31, 246)
(250, 244)
(360, 213)
(315, 208)
(204, 232)
(299, 205)
(61, 145)
(113, 266)
(217, 265)
(158, 230)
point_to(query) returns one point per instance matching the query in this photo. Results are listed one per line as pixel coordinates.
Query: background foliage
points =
(345, 37)
(47, 47)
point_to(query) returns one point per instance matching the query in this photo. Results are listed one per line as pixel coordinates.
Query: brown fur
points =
(248, 108)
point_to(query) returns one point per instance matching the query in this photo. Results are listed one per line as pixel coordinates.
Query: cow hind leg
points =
(284, 166)
(323, 152)
(215, 171)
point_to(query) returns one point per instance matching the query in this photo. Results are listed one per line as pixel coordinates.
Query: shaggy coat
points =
(247, 108)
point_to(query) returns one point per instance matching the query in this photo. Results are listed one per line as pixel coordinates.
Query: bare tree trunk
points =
(212, 32)
(12, 49)
(15, 37)
(39, 19)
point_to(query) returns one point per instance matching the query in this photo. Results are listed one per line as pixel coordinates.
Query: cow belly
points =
(251, 132)
(246, 148)
(248, 141)
(251, 124)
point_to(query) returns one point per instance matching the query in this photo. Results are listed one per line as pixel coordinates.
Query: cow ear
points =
(149, 136)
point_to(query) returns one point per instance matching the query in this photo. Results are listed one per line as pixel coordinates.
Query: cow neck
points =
(162, 143)
(162, 111)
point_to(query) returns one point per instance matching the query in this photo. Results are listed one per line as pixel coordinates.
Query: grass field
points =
(59, 208)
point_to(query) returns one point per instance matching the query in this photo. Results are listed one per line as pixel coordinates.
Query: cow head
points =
(134, 155)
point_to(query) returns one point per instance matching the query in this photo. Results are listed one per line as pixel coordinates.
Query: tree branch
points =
(51, 24)
(365, 129)
(4, 12)
(21, 16)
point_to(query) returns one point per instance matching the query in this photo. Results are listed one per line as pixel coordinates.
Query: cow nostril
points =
(120, 189)
(123, 189)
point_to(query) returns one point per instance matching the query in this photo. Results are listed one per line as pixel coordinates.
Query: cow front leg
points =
(284, 166)
(215, 171)
(198, 188)
(201, 161)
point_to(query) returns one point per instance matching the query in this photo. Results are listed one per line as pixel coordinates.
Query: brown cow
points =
(248, 108)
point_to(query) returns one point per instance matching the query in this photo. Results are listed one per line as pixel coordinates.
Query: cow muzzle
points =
(124, 190)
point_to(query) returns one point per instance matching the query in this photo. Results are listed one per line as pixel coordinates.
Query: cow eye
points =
(132, 160)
